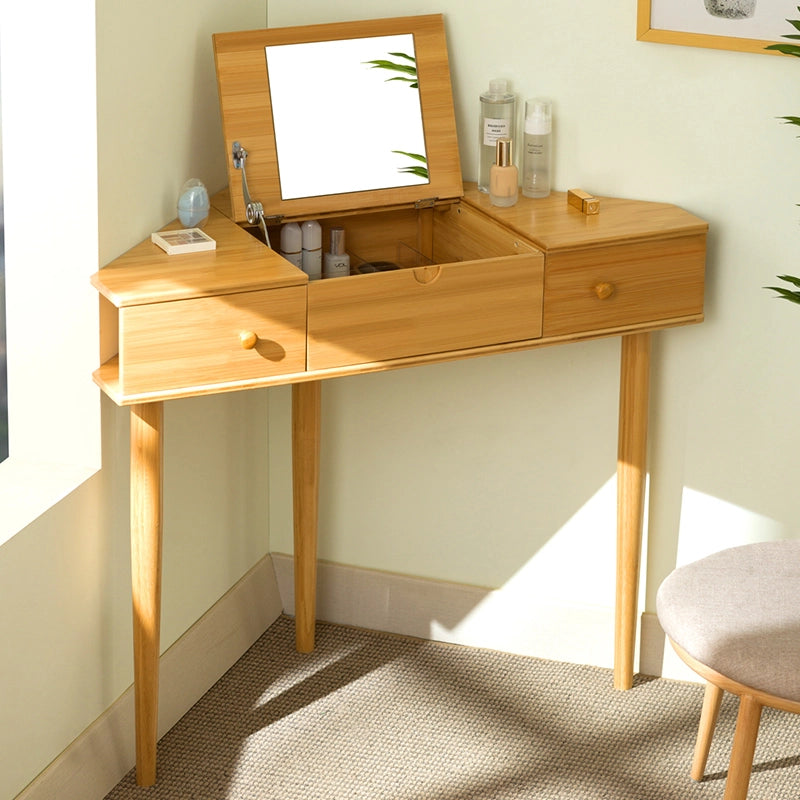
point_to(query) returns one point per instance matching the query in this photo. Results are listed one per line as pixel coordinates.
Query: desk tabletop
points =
(552, 224)
(146, 274)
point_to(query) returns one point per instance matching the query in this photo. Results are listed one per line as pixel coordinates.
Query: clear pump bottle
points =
(497, 121)
(537, 148)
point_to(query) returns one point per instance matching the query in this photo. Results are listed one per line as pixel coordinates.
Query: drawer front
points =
(374, 318)
(622, 285)
(198, 342)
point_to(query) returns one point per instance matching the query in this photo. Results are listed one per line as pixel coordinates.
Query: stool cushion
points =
(738, 612)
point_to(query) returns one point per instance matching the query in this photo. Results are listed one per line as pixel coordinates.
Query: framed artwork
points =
(747, 25)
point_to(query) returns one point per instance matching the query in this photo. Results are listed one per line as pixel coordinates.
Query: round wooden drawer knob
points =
(248, 339)
(604, 290)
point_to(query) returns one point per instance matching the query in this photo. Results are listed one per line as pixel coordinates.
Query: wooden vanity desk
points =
(182, 324)
(474, 280)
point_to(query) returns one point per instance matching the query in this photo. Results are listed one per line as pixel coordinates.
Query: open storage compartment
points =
(428, 273)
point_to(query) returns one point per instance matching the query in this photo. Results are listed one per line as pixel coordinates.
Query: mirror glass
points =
(347, 115)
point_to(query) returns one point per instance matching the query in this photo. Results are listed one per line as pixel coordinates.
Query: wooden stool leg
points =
(705, 733)
(146, 469)
(744, 748)
(631, 475)
(306, 409)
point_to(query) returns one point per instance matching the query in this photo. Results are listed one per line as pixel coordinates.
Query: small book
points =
(186, 240)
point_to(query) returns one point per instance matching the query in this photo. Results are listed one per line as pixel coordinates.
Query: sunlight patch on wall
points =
(560, 604)
(710, 524)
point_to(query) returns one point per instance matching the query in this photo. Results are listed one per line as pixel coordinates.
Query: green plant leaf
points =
(415, 156)
(412, 82)
(420, 172)
(785, 294)
(408, 71)
(787, 49)
(380, 63)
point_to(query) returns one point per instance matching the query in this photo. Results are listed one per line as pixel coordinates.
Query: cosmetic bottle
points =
(497, 121)
(311, 232)
(537, 145)
(292, 243)
(503, 176)
(336, 263)
(193, 204)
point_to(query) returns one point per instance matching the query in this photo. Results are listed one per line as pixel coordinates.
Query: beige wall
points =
(65, 612)
(500, 472)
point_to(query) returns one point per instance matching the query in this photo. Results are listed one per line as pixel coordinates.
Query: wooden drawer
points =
(627, 284)
(486, 288)
(409, 312)
(196, 342)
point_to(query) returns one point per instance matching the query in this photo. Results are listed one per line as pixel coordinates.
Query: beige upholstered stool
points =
(734, 618)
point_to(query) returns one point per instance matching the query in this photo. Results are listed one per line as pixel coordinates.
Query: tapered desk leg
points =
(306, 407)
(631, 476)
(146, 478)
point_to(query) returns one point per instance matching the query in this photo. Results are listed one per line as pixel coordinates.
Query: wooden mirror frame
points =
(246, 109)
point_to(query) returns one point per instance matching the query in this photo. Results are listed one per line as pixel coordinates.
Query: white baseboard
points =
(512, 620)
(98, 759)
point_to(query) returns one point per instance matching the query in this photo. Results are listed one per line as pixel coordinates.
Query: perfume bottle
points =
(292, 243)
(537, 144)
(311, 258)
(503, 176)
(336, 263)
(497, 120)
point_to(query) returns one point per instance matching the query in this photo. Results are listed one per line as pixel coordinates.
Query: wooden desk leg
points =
(631, 476)
(306, 408)
(146, 478)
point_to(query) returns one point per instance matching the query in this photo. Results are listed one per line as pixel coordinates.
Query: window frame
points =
(49, 132)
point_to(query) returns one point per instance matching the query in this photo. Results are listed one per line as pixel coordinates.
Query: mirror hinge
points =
(254, 211)
(427, 202)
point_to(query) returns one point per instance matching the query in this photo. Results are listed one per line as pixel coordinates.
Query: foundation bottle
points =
(503, 176)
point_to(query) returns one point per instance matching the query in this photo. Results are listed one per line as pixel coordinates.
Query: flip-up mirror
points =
(339, 117)
(331, 102)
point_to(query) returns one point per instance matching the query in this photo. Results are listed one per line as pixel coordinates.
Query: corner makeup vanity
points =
(466, 280)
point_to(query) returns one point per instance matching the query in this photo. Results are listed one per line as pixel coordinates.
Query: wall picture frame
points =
(744, 25)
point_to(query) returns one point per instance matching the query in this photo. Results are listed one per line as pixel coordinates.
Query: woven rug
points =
(369, 716)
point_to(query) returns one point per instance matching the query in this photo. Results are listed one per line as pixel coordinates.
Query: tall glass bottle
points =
(537, 146)
(497, 121)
